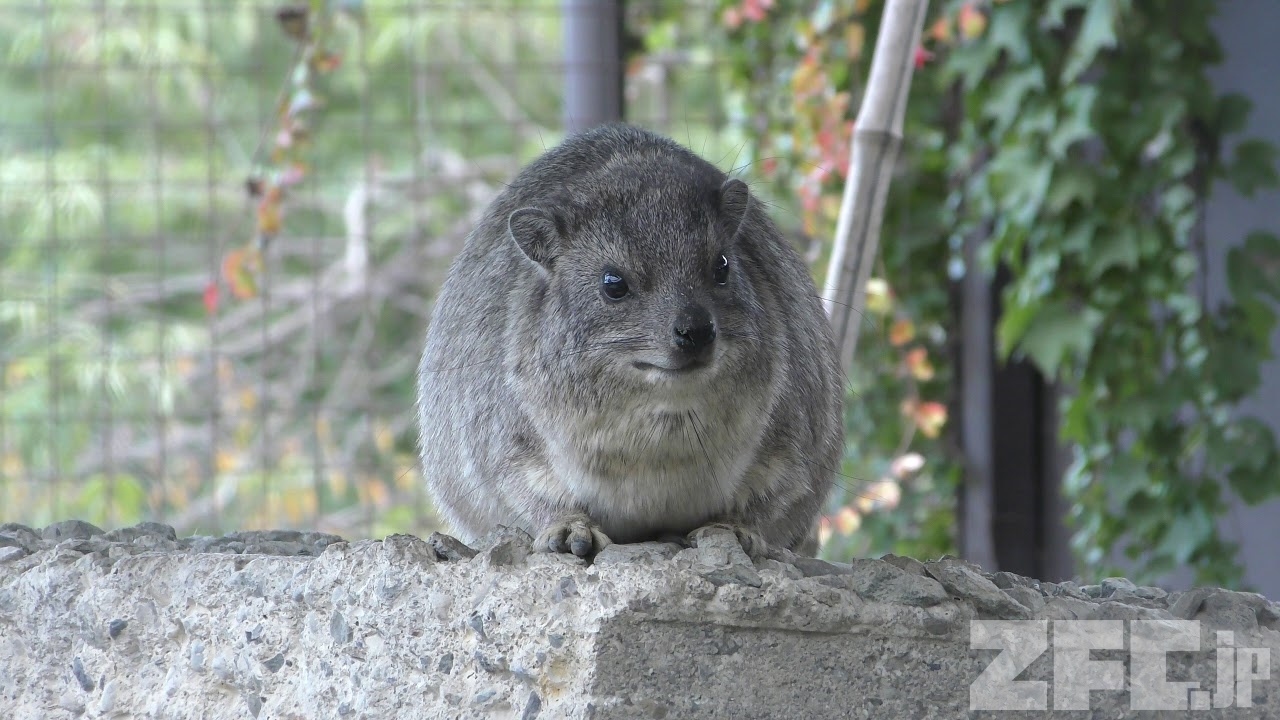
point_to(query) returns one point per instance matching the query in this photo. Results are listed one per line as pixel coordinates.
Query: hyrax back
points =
(627, 349)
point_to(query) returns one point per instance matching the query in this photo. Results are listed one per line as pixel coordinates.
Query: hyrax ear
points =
(735, 198)
(537, 233)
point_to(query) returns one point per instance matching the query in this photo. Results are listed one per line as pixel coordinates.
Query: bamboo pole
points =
(873, 152)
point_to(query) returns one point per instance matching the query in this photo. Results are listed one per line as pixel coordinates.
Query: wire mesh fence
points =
(219, 241)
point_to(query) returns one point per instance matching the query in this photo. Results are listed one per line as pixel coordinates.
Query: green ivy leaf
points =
(1254, 167)
(1019, 178)
(970, 63)
(1007, 32)
(1255, 485)
(1254, 267)
(1075, 123)
(1055, 13)
(1078, 240)
(1186, 533)
(1233, 112)
(1053, 333)
(1126, 478)
(1256, 475)
(1008, 94)
(1263, 252)
(1013, 324)
(1072, 184)
(1097, 33)
(1113, 249)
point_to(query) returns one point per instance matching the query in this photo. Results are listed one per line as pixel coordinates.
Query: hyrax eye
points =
(722, 270)
(613, 285)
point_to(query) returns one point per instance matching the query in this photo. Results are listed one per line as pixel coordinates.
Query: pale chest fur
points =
(654, 470)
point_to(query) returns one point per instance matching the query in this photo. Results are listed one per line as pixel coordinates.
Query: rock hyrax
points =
(627, 349)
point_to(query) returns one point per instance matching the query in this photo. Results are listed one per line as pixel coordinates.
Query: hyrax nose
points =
(694, 330)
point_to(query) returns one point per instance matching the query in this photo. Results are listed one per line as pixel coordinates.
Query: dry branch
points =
(873, 153)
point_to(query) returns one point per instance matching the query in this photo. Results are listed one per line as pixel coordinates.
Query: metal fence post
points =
(593, 63)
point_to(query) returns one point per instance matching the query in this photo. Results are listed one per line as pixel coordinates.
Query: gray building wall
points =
(1249, 31)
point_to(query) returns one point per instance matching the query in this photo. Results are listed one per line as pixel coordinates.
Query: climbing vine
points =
(280, 160)
(1030, 128)
(1094, 184)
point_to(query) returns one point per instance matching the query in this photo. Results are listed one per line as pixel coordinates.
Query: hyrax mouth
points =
(674, 367)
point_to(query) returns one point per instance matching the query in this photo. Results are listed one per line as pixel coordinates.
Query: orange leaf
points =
(328, 62)
(231, 264)
(941, 30)
(885, 494)
(831, 206)
(855, 37)
(236, 270)
(223, 461)
(807, 79)
(809, 223)
(918, 364)
(930, 417)
(864, 503)
(902, 332)
(11, 464)
(378, 492)
(878, 299)
(971, 21)
(337, 483)
(848, 521)
(269, 217)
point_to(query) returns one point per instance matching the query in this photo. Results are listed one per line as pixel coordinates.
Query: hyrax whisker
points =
(861, 313)
(500, 357)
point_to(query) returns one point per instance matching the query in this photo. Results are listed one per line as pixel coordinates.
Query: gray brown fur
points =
(531, 411)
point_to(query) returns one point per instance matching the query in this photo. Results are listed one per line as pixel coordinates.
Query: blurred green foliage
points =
(156, 362)
(133, 383)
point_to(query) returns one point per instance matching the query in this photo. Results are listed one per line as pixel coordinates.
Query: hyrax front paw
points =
(576, 533)
(752, 542)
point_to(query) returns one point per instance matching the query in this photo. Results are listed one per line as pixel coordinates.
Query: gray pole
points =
(593, 63)
(978, 503)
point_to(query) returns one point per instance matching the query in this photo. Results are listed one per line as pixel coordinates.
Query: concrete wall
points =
(138, 623)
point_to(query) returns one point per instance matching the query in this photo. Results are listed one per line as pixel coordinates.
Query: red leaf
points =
(922, 56)
(809, 197)
(211, 297)
(328, 62)
(755, 10)
(293, 174)
(826, 141)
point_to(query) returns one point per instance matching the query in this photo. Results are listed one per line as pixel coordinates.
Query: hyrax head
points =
(646, 274)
